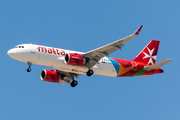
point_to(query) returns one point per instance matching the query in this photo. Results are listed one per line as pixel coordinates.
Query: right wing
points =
(95, 55)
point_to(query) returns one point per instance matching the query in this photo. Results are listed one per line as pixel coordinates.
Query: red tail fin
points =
(148, 55)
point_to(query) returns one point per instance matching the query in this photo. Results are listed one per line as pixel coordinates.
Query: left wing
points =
(95, 55)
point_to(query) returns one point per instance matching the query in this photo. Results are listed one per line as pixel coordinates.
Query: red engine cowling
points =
(74, 59)
(50, 76)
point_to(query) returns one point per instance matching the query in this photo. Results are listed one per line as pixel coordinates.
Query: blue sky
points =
(82, 26)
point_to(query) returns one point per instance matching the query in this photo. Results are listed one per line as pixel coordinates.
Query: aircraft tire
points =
(74, 83)
(90, 72)
(29, 69)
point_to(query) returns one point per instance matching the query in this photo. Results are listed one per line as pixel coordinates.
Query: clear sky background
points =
(84, 25)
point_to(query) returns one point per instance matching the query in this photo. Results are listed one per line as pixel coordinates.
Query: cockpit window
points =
(19, 47)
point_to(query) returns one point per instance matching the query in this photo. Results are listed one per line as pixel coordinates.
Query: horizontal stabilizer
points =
(157, 65)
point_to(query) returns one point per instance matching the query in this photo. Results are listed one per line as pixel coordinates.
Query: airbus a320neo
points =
(70, 64)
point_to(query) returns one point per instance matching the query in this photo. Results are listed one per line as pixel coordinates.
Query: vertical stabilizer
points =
(148, 55)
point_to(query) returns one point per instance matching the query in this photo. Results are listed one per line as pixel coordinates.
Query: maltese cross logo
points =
(150, 56)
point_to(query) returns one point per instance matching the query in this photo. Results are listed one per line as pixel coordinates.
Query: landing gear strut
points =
(74, 83)
(90, 72)
(29, 69)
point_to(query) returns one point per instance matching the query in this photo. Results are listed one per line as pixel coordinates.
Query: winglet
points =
(138, 30)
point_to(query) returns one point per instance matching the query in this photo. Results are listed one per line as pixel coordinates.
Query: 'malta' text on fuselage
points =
(51, 50)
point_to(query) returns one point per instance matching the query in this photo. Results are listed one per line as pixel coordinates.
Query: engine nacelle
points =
(50, 76)
(74, 59)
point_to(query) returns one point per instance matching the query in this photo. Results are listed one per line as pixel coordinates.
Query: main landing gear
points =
(74, 83)
(29, 69)
(90, 72)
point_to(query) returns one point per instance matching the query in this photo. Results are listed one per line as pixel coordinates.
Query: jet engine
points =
(74, 59)
(50, 76)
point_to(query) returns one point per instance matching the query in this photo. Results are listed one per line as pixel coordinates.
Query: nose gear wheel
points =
(29, 69)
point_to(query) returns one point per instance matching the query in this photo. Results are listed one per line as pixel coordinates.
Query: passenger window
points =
(19, 46)
(22, 46)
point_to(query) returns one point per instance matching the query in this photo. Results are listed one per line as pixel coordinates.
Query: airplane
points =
(70, 64)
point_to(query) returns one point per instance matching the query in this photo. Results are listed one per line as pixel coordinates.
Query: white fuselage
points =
(54, 57)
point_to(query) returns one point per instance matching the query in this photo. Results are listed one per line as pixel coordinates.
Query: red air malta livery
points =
(70, 64)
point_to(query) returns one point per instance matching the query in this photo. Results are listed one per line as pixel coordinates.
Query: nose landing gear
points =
(29, 69)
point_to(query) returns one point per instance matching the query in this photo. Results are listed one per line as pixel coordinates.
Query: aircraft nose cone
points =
(11, 53)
